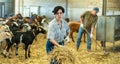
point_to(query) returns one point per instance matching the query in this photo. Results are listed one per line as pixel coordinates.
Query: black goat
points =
(26, 38)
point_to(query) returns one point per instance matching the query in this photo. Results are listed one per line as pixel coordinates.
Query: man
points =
(88, 21)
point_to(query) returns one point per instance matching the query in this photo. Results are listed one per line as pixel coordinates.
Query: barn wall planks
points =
(45, 7)
(75, 7)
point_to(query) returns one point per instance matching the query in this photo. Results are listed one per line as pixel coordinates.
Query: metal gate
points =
(108, 28)
(2, 9)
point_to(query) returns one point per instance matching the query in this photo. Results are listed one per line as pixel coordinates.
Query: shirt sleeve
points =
(83, 15)
(51, 31)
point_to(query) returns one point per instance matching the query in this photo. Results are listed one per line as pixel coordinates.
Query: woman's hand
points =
(67, 39)
(54, 42)
(60, 45)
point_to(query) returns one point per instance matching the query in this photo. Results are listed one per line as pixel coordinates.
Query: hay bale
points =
(63, 55)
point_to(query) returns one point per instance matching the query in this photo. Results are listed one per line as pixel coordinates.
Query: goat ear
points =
(39, 29)
(8, 34)
(32, 30)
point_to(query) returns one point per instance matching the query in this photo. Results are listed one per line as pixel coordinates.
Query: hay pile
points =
(67, 54)
(63, 55)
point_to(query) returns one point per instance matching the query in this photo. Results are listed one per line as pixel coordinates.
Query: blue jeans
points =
(50, 46)
(81, 30)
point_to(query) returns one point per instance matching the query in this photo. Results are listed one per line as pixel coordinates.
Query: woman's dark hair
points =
(58, 8)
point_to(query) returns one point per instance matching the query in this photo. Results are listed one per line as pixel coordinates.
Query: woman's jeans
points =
(81, 30)
(50, 46)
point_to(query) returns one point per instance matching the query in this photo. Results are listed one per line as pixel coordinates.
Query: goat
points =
(26, 38)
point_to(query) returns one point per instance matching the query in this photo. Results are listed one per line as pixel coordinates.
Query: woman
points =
(58, 30)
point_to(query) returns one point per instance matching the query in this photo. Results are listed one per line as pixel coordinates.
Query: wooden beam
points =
(104, 7)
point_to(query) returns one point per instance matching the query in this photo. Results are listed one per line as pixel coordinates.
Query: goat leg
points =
(29, 51)
(35, 39)
(0, 48)
(7, 47)
(26, 47)
(25, 54)
(71, 35)
(16, 51)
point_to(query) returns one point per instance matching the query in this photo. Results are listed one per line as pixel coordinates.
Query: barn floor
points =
(39, 56)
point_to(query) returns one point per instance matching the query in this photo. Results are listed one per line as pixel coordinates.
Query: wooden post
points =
(66, 15)
(104, 7)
